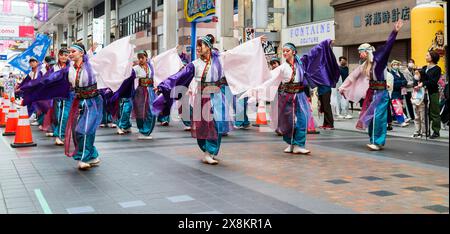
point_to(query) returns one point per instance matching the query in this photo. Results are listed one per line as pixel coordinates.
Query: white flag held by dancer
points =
(166, 64)
(113, 64)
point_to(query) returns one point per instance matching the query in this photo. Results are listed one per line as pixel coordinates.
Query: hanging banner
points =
(6, 6)
(38, 50)
(98, 31)
(42, 14)
(31, 4)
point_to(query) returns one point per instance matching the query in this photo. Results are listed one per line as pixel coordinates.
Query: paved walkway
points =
(255, 176)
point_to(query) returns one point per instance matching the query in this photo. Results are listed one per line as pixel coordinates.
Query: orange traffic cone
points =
(23, 131)
(261, 116)
(5, 111)
(13, 118)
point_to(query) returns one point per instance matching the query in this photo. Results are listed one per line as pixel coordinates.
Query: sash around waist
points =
(86, 92)
(291, 88)
(377, 85)
(145, 82)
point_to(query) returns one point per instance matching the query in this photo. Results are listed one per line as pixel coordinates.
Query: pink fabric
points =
(112, 64)
(71, 149)
(311, 123)
(31, 4)
(48, 121)
(367, 101)
(398, 107)
(203, 125)
(166, 64)
(6, 6)
(245, 65)
(355, 86)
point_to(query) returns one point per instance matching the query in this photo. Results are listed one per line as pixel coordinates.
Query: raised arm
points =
(381, 56)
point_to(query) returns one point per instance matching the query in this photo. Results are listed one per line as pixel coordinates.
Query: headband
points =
(142, 52)
(395, 62)
(290, 46)
(77, 47)
(366, 47)
(207, 41)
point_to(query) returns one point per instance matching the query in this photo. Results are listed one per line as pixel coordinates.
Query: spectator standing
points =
(397, 98)
(430, 75)
(408, 72)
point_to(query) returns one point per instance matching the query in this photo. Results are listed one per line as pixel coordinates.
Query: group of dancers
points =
(80, 94)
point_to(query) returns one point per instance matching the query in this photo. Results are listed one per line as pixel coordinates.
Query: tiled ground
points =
(254, 176)
(363, 184)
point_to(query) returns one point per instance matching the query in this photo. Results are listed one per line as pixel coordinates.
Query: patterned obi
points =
(377, 85)
(145, 82)
(86, 92)
(291, 88)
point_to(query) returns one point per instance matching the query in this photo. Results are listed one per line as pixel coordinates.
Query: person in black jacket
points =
(430, 76)
(400, 83)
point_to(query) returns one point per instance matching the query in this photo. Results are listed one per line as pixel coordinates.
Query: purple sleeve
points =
(381, 56)
(55, 85)
(320, 66)
(125, 91)
(24, 81)
(164, 102)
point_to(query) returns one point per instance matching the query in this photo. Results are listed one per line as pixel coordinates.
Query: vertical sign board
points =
(97, 31)
(195, 9)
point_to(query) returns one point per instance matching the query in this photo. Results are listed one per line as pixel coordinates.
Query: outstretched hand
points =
(398, 25)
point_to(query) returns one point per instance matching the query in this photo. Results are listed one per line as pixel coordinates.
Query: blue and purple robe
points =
(374, 111)
(143, 97)
(85, 113)
(208, 126)
(318, 67)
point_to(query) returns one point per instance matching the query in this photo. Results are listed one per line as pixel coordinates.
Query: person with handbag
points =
(398, 93)
(430, 75)
(419, 107)
(408, 72)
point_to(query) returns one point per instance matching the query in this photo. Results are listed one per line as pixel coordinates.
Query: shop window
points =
(322, 10)
(137, 22)
(299, 12)
(306, 11)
